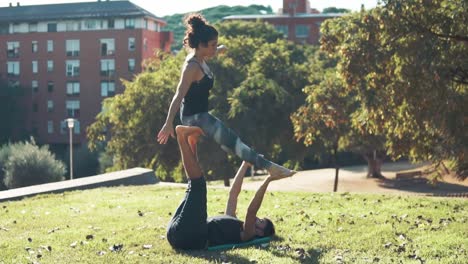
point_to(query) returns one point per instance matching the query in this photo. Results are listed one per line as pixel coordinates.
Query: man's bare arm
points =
(236, 187)
(250, 218)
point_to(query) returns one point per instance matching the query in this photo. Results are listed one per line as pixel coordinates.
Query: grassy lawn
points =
(127, 225)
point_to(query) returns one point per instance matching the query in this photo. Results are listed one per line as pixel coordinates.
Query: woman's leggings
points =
(225, 137)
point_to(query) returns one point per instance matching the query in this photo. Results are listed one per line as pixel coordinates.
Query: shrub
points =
(4, 154)
(85, 162)
(27, 164)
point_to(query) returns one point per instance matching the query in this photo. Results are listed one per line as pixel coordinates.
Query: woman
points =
(192, 98)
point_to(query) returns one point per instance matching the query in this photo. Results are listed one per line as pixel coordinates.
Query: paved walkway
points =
(353, 179)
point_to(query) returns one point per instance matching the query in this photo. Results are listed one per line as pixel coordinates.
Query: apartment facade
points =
(296, 20)
(70, 57)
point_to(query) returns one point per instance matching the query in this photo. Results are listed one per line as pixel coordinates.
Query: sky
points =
(170, 7)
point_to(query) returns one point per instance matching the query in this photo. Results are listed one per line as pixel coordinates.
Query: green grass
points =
(311, 228)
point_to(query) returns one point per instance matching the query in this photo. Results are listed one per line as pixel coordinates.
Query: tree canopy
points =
(407, 61)
(258, 83)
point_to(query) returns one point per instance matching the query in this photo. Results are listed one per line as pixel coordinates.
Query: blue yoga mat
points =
(256, 241)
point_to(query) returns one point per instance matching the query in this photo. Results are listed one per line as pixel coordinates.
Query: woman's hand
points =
(164, 133)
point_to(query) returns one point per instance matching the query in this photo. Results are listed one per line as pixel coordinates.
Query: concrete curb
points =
(135, 176)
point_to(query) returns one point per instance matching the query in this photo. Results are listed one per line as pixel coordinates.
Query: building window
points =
(51, 27)
(131, 65)
(157, 27)
(34, 67)
(73, 67)
(50, 66)
(110, 23)
(34, 46)
(73, 47)
(282, 29)
(131, 44)
(145, 44)
(73, 88)
(50, 45)
(302, 31)
(64, 127)
(146, 23)
(107, 88)
(90, 24)
(50, 86)
(32, 27)
(73, 108)
(13, 49)
(107, 68)
(34, 86)
(107, 47)
(50, 106)
(73, 26)
(16, 28)
(13, 83)
(129, 23)
(13, 68)
(4, 29)
(50, 127)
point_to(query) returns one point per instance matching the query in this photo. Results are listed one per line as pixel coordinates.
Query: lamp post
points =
(71, 124)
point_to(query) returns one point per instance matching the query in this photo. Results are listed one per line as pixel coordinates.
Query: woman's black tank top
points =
(196, 99)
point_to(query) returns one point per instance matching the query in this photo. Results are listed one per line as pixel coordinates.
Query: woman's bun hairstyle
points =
(198, 31)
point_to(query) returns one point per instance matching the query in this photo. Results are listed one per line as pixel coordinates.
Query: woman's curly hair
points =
(198, 31)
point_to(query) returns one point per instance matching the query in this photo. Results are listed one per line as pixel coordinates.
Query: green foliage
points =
(4, 154)
(213, 15)
(311, 228)
(85, 162)
(133, 118)
(11, 112)
(27, 164)
(256, 81)
(407, 63)
(335, 10)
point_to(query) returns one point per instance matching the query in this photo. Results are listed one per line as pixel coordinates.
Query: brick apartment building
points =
(70, 57)
(296, 20)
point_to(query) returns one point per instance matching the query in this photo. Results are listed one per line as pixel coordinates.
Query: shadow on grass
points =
(216, 256)
(301, 255)
(423, 187)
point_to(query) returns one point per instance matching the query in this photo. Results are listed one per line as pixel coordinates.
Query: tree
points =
(407, 63)
(11, 112)
(335, 10)
(328, 117)
(213, 15)
(129, 122)
(248, 94)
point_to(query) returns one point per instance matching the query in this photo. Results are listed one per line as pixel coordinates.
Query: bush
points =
(4, 154)
(85, 162)
(27, 164)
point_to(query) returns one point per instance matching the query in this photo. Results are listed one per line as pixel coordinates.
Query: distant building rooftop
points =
(70, 11)
(280, 16)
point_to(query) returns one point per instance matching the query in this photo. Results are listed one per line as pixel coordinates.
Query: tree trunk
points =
(374, 165)
(226, 181)
(337, 167)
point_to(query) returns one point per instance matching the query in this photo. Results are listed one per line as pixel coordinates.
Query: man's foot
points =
(189, 131)
(278, 172)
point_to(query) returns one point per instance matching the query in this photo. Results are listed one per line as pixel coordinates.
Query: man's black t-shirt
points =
(224, 229)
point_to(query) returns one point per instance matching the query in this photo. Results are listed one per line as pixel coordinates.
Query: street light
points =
(71, 124)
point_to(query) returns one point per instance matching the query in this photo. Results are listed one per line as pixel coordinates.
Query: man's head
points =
(264, 227)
